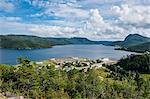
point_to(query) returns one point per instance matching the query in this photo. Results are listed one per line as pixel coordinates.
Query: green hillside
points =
(25, 41)
(135, 39)
(131, 40)
(135, 43)
(140, 47)
(21, 42)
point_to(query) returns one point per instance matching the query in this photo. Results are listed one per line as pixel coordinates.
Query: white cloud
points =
(95, 19)
(133, 18)
(133, 14)
(96, 28)
(7, 26)
(139, 30)
(10, 18)
(6, 6)
(66, 11)
(138, 2)
(61, 8)
(97, 24)
(37, 15)
(57, 31)
(78, 19)
(102, 1)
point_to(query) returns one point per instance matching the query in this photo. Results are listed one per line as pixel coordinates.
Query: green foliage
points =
(140, 47)
(47, 82)
(139, 63)
(133, 39)
(135, 43)
(22, 42)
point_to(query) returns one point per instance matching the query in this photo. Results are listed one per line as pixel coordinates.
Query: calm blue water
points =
(9, 56)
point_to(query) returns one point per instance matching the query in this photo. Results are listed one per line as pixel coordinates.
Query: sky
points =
(93, 19)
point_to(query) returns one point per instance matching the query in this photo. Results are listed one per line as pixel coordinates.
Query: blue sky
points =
(93, 19)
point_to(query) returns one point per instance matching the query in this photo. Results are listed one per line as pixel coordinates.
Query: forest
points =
(128, 78)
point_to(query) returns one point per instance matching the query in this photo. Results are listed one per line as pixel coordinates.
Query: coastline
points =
(9, 56)
(124, 49)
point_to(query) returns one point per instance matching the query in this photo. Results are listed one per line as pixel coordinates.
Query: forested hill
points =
(27, 42)
(135, 43)
(135, 39)
(22, 42)
(132, 39)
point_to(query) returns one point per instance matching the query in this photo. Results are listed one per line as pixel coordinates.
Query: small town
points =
(69, 63)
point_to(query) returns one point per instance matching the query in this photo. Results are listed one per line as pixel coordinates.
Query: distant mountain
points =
(76, 40)
(27, 42)
(132, 39)
(134, 42)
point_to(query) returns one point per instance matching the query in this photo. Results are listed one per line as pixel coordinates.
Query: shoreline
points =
(63, 60)
(84, 51)
(122, 49)
(73, 44)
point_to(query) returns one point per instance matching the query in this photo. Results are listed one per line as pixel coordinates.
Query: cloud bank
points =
(94, 19)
